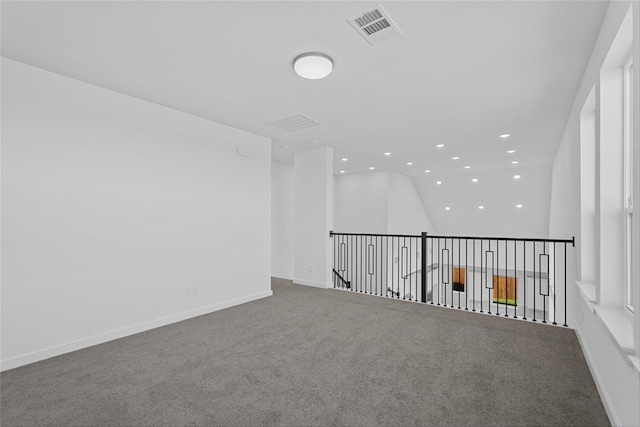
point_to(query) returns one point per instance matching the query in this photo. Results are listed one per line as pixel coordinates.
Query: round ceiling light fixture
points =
(313, 65)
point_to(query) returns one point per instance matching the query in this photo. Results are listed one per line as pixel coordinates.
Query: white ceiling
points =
(461, 74)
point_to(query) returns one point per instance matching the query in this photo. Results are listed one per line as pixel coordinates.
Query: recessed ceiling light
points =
(515, 162)
(516, 176)
(438, 182)
(447, 208)
(475, 180)
(439, 145)
(505, 135)
(518, 206)
(313, 65)
(342, 171)
(387, 153)
(284, 147)
(427, 171)
(344, 159)
(409, 163)
(371, 168)
(455, 157)
(480, 207)
(467, 167)
(511, 151)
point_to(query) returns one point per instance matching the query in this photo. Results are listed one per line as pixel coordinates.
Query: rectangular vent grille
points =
(368, 17)
(293, 122)
(375, 25)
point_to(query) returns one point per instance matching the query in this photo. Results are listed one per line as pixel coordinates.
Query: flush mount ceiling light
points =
(505, 135)
(313, 65)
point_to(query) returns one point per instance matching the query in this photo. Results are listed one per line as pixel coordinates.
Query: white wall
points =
(616, 377)
(111, 206)
(313, 201)
(282, 220)
(379, 203)
(405, 212)
(361, 202)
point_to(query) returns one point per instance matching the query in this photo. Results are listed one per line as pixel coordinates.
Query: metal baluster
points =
(458, 272)
(534, 281)
(515, 272)
(439, 271)
(506, 278)
(466, 269)
(555, 285)
(482, 267)
(565, 283)
(433, 292)
(524, 284)
(487, 278)
(474, 274)
(498, 282)
(544, 299)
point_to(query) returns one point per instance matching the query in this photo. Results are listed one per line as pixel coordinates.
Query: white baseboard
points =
(58, 350)
(314, 284)
(606, 400)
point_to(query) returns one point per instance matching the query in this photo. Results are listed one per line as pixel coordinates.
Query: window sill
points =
(619, 324)
(588, 292)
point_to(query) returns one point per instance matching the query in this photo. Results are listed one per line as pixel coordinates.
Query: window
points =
(504, 290)
(458, 279)
(628, 182)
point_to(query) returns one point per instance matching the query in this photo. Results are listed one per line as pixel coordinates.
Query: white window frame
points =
(628, 183)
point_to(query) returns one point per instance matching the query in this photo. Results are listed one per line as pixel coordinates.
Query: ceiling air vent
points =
(375, 25)
(293, 122)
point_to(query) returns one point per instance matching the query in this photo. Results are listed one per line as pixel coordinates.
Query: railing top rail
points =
(510, 239)
(431, 236)
(331, 234)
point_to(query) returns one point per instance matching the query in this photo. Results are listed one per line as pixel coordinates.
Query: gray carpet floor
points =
(309, 356)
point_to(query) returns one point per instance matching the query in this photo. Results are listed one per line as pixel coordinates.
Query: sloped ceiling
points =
(461, 74)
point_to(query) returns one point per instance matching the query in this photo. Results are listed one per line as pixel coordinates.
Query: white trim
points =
(588, 292)
(606, 400)
(314, 284)
(58, 350)
(618, 323)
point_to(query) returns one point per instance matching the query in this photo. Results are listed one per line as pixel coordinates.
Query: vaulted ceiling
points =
(461, 74)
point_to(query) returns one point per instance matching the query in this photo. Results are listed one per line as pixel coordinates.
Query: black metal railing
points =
(513, 277)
